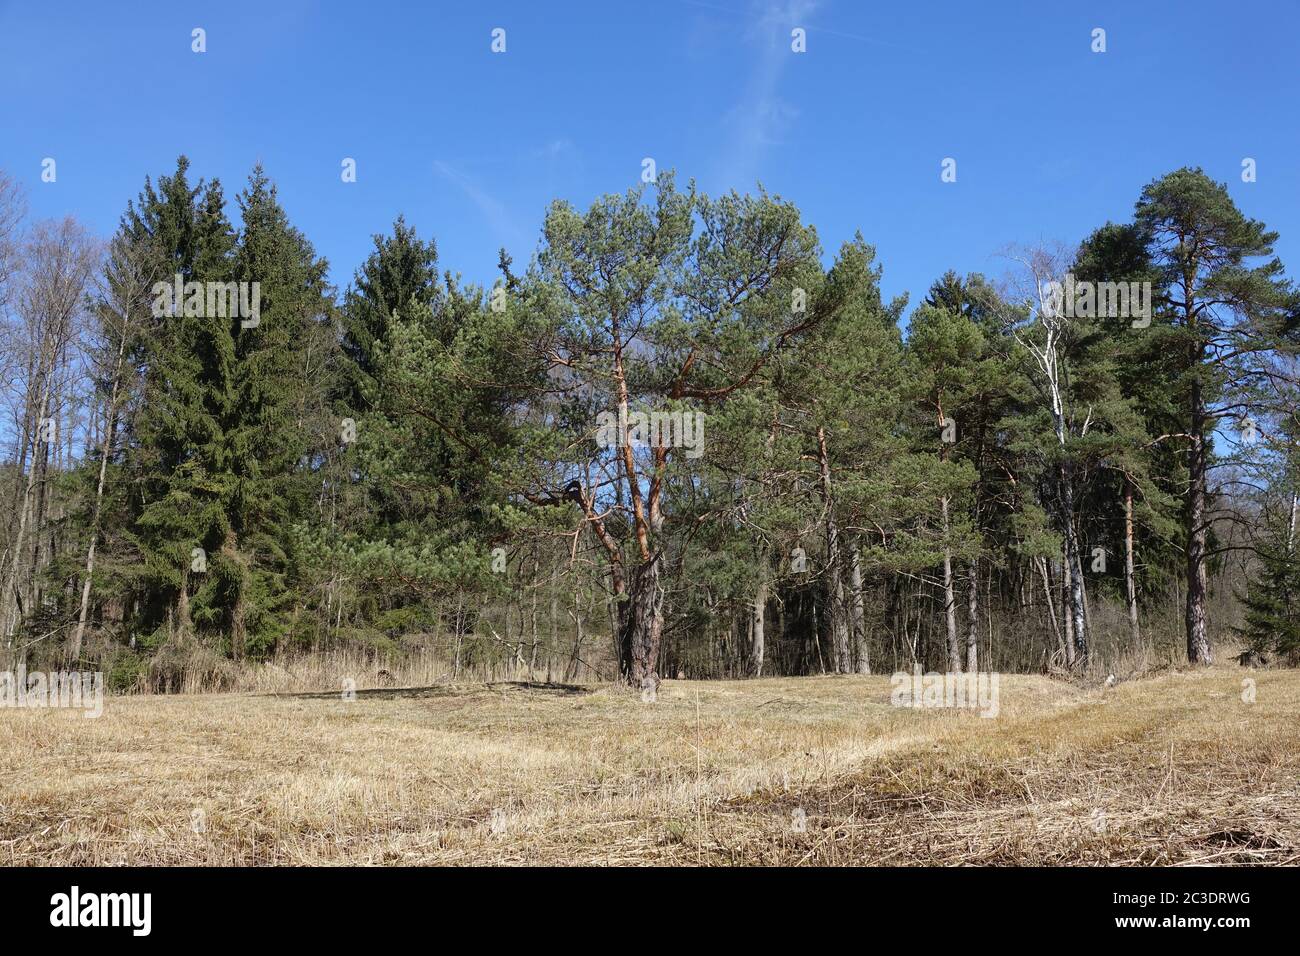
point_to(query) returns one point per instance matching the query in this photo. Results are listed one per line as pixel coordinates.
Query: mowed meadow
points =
(1178, 768)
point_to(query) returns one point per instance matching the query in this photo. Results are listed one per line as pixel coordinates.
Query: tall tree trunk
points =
(74, 648)
(640, 626)
(575, 658)
(861, 652)
(1061, 643)
(183, 622)
(105, 449)
(973, 613)
(1198, 639)
(11, 601)
(238, 610)
(1130, 580)
(1066, 616)
(838, 613)
(41, 472)
(838, 618)
(949, 597)
(24, 449)
(460, 631)
(757, 637)
(1290, 527)
(635, 600)
(1078, 623)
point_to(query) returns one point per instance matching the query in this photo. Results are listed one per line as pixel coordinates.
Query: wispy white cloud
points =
(555, 149)
(495, 213)
(761, 117)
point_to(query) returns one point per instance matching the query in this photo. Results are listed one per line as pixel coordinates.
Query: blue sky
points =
(1050, 138)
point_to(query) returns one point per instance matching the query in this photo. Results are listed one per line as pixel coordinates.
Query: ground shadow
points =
(445, 690)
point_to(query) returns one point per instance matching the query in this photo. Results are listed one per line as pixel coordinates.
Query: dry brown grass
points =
(1172, 770)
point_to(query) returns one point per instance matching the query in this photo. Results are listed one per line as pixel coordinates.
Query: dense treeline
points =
(677, 442)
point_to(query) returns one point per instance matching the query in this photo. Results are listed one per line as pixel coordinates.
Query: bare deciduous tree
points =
(58, 261)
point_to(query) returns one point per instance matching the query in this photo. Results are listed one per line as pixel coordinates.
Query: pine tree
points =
(1228, 316)
(1133, 494)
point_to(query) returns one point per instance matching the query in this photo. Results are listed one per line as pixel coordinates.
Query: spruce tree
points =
(183, 231)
